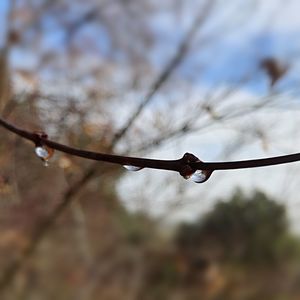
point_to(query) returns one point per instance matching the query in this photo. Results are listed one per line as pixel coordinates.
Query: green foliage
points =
(251, 229)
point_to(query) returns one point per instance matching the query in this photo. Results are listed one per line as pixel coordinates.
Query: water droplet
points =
(200, 176)
(42, 152)
(132, 168)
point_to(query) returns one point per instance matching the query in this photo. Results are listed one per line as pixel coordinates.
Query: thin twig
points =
(43, 227)
(165, 75)
(180, 165)
(10, 273)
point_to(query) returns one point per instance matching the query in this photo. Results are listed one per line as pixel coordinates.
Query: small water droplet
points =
(42, 152)
(132, 168)
(200, 176)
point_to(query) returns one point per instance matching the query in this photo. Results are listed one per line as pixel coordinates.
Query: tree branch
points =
(172, 65)
(187, 163)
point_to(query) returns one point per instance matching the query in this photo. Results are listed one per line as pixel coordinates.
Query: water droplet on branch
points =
(132, 168)
(200, 176)
(189, 170)
(44, 153)
(41, 152)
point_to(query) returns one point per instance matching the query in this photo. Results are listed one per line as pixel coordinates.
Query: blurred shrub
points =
(248, 229)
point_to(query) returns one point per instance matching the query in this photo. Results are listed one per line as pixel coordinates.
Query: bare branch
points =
(164, 76)
(186, 165)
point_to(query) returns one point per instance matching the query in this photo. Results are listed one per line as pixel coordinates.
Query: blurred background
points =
(152, 79)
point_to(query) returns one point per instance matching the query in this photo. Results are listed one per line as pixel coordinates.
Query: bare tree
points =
(106, 77)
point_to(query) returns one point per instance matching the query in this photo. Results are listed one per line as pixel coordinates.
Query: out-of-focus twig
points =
(42, 229)
(165, 75)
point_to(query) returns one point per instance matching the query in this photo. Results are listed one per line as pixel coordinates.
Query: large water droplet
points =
(132, 168)
(200, 176)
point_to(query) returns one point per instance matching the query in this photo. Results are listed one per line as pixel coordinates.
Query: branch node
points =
(187, 170)
(40, 136)
(190, 169)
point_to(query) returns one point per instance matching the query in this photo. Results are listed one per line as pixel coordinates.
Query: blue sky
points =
(259, 29)
(3, 13)
(232, 54)
(272, 30)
